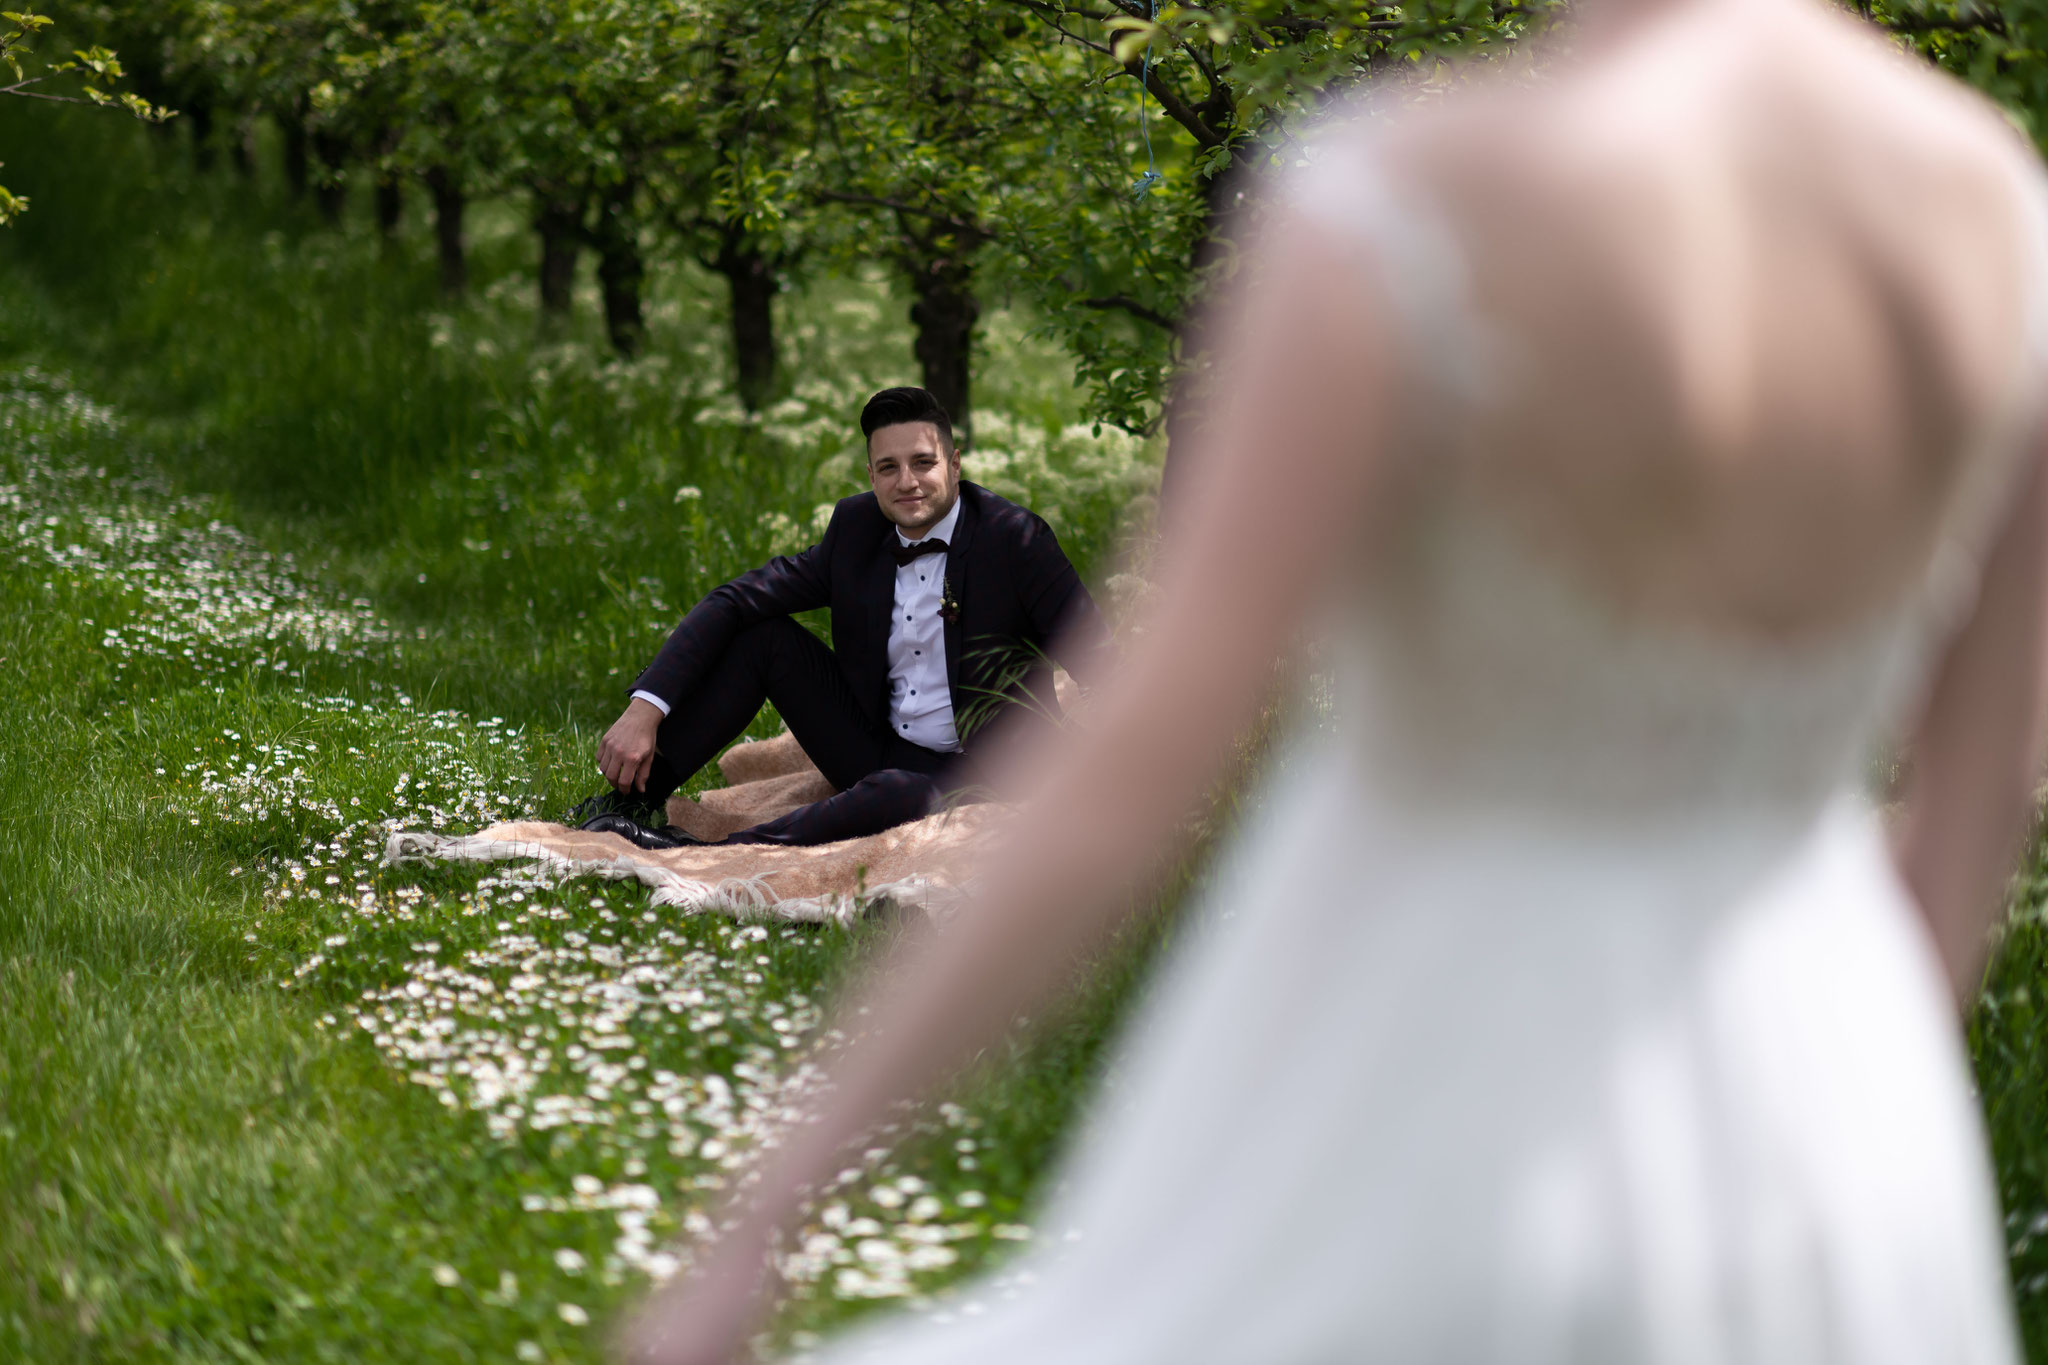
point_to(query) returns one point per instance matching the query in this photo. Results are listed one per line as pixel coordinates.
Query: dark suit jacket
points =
(1015, 591)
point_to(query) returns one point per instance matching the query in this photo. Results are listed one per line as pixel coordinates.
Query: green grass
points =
(292, 553)
(2009, 1044)
(414, 556)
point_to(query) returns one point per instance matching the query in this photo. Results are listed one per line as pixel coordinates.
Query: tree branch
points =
(1123, 303)
(747, 119)
(21, 89)
(1972, 21)
(1050, 12)
(974, 231)
(1177, 109)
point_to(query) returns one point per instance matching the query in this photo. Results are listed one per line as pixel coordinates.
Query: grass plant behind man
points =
(915, 572)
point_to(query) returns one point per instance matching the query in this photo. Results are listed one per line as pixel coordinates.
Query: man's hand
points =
(626, 752)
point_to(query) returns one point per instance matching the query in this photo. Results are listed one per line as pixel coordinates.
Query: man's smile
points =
(914, 474)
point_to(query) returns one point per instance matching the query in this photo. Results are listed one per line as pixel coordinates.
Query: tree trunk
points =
(750, 277)
(331, 194)
(198, 112)
(560, 225)
(389, 191)
(1185, 407)
(242, 147)
(944, 313)
(620, 270)
(146, 79)
(390, 205)
(449, 204)
(297, 162)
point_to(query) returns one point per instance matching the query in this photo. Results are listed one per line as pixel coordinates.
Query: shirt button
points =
(913, 691)
(917, 651)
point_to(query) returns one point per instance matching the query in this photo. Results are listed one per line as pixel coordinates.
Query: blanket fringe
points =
(743, 898)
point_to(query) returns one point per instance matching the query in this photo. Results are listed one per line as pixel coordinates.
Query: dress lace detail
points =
(1484, 675)
(1482, 678)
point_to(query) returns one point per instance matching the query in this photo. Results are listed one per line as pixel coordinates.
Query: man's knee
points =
(895, 796)
(776, 648)
(881, 800)
(766, 639)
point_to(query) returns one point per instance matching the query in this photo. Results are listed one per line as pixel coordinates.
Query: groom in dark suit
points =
(942, 594)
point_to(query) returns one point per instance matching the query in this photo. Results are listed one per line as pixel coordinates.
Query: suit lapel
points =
(880, 583)
(956, 579)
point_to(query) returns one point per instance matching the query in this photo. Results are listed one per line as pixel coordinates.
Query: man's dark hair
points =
(893, 407)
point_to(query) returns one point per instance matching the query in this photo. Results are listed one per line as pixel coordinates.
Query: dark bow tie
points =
(905, 553)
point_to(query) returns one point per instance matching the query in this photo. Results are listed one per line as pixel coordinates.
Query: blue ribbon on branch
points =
(1151, 179)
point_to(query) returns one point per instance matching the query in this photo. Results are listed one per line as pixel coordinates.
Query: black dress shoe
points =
(607, 823)
(639, 809)
(633, 832)
(665, 836)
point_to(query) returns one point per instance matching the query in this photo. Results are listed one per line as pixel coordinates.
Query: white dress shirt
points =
(920, 695)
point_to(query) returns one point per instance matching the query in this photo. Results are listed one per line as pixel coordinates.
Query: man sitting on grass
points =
(937, 587)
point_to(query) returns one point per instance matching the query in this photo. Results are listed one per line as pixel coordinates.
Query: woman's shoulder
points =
(1729, 288)
(1828, 104)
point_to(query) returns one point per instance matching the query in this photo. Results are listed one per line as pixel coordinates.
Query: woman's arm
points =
(1976, 754)
(1278, 500)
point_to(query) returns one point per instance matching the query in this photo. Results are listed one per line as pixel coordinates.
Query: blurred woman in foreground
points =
(1647, 443)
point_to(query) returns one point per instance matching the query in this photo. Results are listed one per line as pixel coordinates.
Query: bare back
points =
(1755, 306)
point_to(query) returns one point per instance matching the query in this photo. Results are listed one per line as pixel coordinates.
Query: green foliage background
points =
(193, 1167)
(1070, 155)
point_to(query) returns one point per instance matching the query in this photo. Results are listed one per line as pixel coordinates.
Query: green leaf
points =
(1133, 36)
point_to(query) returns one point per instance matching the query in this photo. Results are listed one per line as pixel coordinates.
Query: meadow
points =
(293, 554)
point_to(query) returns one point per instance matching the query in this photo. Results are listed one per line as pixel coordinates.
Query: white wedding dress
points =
(1563, 1005)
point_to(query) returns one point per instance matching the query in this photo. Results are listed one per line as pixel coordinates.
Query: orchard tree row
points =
(1085, 155)
(1072, 154)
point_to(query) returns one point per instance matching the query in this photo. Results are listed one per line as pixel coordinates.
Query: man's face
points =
(916, 478)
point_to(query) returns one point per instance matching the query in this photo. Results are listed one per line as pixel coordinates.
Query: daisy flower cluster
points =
(194, 588)
(649, 1054)
(638, 1055)
(447, 773)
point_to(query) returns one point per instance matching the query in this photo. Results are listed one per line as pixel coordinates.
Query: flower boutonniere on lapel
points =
(949, 602)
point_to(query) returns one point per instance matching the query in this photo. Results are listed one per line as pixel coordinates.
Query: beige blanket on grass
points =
(911, 866)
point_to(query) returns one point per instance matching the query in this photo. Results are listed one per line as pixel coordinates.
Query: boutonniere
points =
(949, 604)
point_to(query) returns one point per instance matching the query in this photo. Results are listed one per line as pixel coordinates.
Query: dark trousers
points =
(879, 780)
